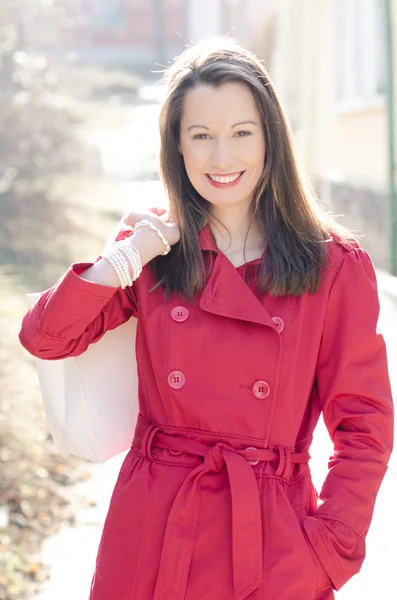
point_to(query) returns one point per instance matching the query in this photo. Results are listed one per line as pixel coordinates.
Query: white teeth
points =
(224, 179)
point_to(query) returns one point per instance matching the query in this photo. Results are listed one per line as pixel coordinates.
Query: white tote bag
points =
(91, 400)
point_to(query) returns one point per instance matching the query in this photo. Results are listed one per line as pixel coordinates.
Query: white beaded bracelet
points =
(119, 261)
(132, 256)
(120, 265)
(128, 280)
(145, 223)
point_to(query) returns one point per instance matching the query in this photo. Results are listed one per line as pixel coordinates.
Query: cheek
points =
(195, 158)
(255, 156)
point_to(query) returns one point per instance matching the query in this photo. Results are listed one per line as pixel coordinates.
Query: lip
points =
(224, 186)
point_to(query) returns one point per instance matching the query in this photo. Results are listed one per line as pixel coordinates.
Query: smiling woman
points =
(227, 159)
(239, 349)
(231, 152)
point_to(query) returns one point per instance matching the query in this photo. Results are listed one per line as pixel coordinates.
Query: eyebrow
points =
(233, 126)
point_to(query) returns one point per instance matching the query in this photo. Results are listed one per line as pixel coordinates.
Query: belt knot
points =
(214, 459)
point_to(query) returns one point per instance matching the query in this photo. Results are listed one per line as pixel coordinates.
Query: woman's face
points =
(222, 143)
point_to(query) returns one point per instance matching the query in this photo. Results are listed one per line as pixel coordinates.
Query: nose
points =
(222, 158)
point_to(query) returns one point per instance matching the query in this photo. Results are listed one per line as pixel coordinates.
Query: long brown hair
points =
(294, 224)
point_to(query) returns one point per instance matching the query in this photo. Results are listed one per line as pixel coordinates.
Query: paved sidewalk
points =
(71, 554)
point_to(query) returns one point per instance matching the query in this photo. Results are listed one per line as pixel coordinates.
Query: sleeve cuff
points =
(87, 288)
(62, 314)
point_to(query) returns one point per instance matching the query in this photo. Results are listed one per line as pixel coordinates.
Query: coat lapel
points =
(226, 292)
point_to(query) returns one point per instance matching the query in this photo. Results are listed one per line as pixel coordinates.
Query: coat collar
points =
(206, 239)
(226, 292)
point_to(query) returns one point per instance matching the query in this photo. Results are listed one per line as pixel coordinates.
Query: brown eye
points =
(243, 133)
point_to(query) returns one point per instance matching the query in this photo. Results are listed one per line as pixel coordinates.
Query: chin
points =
(225, 202)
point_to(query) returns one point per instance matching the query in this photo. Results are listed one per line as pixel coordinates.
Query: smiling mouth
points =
(231, 178)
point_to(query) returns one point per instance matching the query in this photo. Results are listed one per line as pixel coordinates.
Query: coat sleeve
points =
(75, 313)
(353, 388)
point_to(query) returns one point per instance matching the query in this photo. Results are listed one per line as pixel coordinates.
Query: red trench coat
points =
(214, 501)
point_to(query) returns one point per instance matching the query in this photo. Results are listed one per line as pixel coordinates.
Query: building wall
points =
(341, 136)
(253, 24)
(204, 19)
(110, 31)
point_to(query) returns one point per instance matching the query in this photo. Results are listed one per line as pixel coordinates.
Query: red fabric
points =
(193, 514)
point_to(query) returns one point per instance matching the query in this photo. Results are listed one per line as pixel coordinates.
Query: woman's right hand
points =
(159, 217)
(148, 241)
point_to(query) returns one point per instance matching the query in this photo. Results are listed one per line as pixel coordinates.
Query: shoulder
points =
(347, 261)
(341, 249)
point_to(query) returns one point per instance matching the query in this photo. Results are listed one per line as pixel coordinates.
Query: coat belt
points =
(183, 519)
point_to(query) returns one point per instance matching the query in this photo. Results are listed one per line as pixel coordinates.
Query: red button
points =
(179, 314)
(176, 379)
(261, 389)
(279, 323)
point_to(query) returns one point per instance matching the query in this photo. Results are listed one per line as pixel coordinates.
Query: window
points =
(360, 39)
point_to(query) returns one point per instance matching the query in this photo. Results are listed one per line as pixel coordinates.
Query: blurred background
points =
(80, 87)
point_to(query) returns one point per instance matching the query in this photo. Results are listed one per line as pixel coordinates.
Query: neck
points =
(230, 228)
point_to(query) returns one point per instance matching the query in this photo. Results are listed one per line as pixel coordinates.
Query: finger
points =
(128, 222)
(158, 211)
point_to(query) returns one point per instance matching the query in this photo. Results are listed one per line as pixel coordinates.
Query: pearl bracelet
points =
(119, 255)
(145, 223)
(132, 256)
(120, 265)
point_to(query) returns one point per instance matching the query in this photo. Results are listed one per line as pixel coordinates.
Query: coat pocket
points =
(322, 578)
(339, 548)
(303, 497)
(289, 565)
